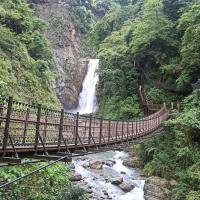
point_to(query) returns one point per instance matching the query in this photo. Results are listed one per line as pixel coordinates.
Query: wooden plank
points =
(10, 160)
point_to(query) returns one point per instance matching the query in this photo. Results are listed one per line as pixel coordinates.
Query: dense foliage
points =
(49, 184)
(175, 154)
(153, 38)
(24, 54)
(158, 40)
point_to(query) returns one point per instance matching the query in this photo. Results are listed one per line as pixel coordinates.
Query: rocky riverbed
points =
(118, 176)
(105, 176)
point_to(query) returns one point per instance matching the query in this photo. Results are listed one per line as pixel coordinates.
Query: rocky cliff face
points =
(68, 65)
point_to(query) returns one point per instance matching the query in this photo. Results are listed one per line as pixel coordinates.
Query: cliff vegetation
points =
(157, 40)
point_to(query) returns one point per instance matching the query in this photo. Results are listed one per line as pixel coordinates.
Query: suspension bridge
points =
(33, 130)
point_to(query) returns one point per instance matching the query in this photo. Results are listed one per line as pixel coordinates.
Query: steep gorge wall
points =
(68, 64)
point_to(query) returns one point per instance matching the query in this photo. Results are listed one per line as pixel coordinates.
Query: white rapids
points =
(97, 179)
(98, 182)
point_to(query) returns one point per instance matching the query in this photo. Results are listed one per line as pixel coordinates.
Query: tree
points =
(189, 26)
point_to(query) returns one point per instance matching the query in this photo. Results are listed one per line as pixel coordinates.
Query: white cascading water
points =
(87, 97)
(88, 104)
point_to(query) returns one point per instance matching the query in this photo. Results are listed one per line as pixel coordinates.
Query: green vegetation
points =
(24, 54)
(50, 184)
(158, 40)
(175, 153)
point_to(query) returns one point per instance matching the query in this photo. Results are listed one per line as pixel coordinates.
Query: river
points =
(99, 180)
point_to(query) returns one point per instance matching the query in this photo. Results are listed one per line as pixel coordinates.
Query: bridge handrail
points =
(33, 124)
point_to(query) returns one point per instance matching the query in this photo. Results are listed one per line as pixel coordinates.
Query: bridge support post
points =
(37, 132)
(109, 123)
(1, 112)
(116, 132)
(139, 127)
(60, 129)
(90, 130)
(25, 126)
(45, 127)
(127, 135)
(76, 130)
(143, 126)
(132, 130)
(122, 132)
(7, 125)
(136, 128)
(100, 133)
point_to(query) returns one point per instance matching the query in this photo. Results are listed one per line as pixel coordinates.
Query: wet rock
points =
(133, 162)
(128, 163)
(109, 163)
(117, 180)
(126, 187)
(95, 164)
(156, 188)
(86, 165)
(151, 198)
(105, 192)
(122, 172)
(72, 166)
(89, 191)
(76, 177)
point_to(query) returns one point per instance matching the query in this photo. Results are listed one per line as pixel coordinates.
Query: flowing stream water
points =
(98, 180)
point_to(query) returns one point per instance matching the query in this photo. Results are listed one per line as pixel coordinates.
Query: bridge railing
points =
(32, 127)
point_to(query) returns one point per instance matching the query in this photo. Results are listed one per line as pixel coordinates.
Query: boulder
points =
(109, 163)
(72, 166)
(126, 187)
(86, 165)
(132, 162)
(156, 188)
(117, 180)
(95, 164)
(76, 177)
(128, 163)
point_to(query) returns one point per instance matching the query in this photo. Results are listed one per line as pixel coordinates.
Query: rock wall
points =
(67, 65)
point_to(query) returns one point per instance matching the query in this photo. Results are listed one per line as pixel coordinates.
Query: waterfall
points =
(87, 97)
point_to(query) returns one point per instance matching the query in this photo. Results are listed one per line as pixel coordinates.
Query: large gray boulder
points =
(133, 162)
(126, 187)
(156, 189)
(117, 180)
